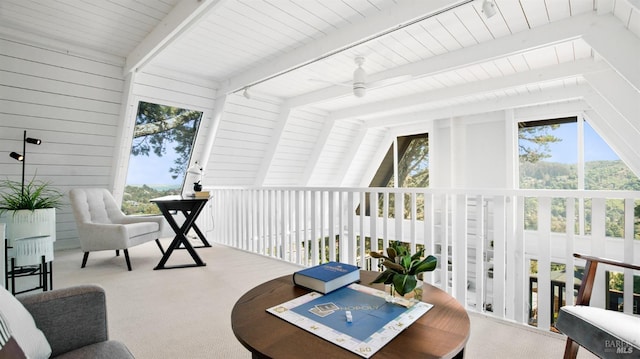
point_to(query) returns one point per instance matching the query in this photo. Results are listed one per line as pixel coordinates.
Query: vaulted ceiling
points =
(424, 60)
(418, 55)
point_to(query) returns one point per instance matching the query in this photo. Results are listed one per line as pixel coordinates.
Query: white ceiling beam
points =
(397, 16)
(553, 33)
(386, 108)
(350, 156)
(621, 96)
(321, 143)
(564, 109)
(270, 153)
(617, 45)
(182, 17)
(533, 99)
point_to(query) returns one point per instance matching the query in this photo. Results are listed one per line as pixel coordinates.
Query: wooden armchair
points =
(606, 333)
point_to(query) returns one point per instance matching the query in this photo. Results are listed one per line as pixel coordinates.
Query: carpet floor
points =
(185, 313)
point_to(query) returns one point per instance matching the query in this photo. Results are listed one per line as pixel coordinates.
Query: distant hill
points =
(599, 175)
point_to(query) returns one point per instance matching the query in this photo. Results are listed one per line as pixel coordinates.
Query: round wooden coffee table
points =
(441, 333)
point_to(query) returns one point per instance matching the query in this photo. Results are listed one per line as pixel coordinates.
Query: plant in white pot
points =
(29, 210)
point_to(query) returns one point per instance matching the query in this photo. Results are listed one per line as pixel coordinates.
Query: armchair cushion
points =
(22, 327)
(605, 333)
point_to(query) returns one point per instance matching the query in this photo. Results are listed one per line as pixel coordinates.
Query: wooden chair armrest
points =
(584, 293)
(607, 261)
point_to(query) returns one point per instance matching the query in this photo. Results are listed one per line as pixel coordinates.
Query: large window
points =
(549, 153)
(160, 152)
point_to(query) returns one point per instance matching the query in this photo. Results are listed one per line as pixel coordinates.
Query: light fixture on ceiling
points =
(246, 93)
(488, 8)
(359, 78)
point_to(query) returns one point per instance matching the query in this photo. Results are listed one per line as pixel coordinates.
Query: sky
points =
(152, 170)
(566, 150)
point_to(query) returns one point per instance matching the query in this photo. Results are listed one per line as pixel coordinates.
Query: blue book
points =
(327, 277)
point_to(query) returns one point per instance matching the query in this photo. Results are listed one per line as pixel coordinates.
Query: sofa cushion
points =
(110, 349)
(606, 333)
(22, 327)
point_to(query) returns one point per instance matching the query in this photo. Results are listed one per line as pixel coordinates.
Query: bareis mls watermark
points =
(618, 347)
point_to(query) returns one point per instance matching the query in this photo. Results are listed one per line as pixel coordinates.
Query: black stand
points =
(44, 271)
(191, 208)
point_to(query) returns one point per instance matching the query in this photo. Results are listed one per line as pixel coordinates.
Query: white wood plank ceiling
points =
(293, 49)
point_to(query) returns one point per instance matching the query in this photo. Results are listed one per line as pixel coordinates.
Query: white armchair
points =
(102, 225)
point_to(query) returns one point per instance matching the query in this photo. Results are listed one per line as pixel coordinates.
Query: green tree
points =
(157, 126)
(534, 141)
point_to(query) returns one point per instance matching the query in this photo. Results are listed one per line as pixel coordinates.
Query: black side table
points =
(191, 208)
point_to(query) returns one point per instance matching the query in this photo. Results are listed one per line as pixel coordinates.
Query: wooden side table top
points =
(441, 333)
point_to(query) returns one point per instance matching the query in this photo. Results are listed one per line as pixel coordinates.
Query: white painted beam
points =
(617, 45)
(278, 131)
(323, 138)
(183, 16)
(351, 154)
(533, 99)
(386, 108)
(619, 93)
(397, 16)
(553, 33)
(215, 120)
(564, 109)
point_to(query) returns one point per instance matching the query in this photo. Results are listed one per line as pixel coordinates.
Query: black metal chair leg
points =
(160, 246)
(118, 252)
(84, 259)
(126, 257)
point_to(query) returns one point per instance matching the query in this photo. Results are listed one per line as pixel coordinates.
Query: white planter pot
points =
(25, 223)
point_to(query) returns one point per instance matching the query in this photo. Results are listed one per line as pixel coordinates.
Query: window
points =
(408, 160)
(412, 166)
(549, 160)
(160, 153)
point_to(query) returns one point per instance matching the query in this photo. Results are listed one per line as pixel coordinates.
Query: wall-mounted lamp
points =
(488, 8)
(21, 157)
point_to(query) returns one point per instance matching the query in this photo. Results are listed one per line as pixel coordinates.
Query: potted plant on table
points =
(403, 268)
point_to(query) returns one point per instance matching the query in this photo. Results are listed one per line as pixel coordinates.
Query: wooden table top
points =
(441, 333)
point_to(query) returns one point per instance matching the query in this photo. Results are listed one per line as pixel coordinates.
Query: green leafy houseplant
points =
(402, 267)
(36, 195)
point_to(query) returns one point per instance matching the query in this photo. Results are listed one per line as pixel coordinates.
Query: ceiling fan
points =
(359, 83)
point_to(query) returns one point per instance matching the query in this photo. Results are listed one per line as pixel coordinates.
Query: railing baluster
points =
(299, 224)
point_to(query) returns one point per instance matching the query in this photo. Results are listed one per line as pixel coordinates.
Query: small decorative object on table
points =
(402, 268)
(197, 186)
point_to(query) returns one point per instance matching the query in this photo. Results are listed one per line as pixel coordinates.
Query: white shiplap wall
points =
(242, 139)
(328, 170)
(69, 101)
(297, 142)
(368, 157)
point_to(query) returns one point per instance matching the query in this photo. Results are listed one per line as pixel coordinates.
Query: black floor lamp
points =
(21, 157)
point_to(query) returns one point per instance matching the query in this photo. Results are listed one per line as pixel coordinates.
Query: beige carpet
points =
(185, 313)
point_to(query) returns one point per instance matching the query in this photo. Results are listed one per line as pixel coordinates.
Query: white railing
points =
(480, 233)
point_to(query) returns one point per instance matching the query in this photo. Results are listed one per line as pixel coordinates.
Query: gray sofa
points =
(74, 321)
